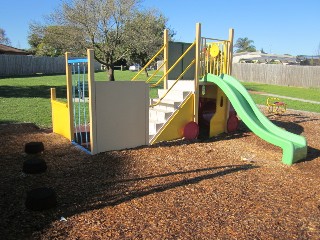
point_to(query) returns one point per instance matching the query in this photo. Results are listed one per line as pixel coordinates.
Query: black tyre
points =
(34, 166)
(34, 147)
(39, 199)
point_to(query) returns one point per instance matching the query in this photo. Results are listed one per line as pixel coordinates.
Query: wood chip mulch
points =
(228, 187)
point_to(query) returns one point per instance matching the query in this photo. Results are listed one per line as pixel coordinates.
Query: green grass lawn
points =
(312, 94)
(291, 104)
(296, 92)
(27, 99)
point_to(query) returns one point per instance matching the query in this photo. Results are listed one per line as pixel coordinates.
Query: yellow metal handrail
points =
(149, 79)
(216, 40)
(180, 76)
(148, 63)
(172, 67)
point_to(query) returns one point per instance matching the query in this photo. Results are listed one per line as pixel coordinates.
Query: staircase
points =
(162, 113)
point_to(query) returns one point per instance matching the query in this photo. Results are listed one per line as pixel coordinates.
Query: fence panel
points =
(20, 65)
(276, 74)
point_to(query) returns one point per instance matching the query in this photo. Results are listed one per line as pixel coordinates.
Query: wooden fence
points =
(276, 74)
(286, 75)
(19, 65)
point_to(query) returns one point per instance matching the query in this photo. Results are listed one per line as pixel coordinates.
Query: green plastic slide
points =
(294, 146)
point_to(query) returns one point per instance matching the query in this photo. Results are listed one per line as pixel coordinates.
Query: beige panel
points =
(182, 85)
(122, 115)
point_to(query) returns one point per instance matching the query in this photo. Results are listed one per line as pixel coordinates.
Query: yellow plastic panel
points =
(173, 129)
(219, 119)
(60, 119)
(214, 50)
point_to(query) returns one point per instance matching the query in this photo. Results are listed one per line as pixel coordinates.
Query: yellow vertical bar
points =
(231, 35)
(221, 61)
(204, 68)
(92, 97)
(165, 57)
(197, 69)
(225, 57)
(207, 60)
(69, 94)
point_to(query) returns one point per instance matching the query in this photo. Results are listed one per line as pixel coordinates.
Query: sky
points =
(276, 26)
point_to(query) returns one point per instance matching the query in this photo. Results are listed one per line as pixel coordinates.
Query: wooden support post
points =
(165, 57)
(53, 94)
(92, 99)
(230, 55)
(69, 94)
(229, 70)
(197, 71)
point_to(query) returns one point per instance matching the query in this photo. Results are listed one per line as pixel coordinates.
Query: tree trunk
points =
(111, 73)
(146, 71)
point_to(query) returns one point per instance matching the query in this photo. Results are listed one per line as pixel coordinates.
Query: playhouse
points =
(196, 94)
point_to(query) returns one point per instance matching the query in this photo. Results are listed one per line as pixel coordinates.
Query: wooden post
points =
(165, 57)
(229, 70)
(53, 94)
(92, 98)
(69, 94)
(230, 55)
(197, 72)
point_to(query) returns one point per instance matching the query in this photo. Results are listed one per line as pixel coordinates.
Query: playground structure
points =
(275, 105)
(203, 97)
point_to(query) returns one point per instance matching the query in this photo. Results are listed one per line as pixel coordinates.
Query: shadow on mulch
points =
(83, 183)
(118, 198)
(312, 154)
(102, 190)
(292, 127)
(301, 118)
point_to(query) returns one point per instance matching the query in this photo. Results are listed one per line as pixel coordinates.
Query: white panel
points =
(182, 85)
(122, 111)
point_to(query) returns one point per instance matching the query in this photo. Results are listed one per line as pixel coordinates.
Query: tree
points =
(3, 38)
(244, 45)
(101, 24)
(54, 40)
(144, 35)
(262, 51)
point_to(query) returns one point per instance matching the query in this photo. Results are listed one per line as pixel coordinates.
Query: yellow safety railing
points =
(167, 72)
(149, 79)
(217, 64)
(179, 77)
(175, 64)
(148, 63)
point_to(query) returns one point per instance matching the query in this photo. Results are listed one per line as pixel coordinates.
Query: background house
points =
(4, 49)
(264, 58)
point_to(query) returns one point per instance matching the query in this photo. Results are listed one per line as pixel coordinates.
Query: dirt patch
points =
(229, 187)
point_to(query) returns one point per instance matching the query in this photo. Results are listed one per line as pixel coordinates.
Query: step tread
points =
(152, 133)
(174, 90)
(160, 110)
(166, 101)
(155, 121)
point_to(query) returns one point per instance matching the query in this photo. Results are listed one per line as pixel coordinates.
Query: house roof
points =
(4, 49)
(262, 57)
